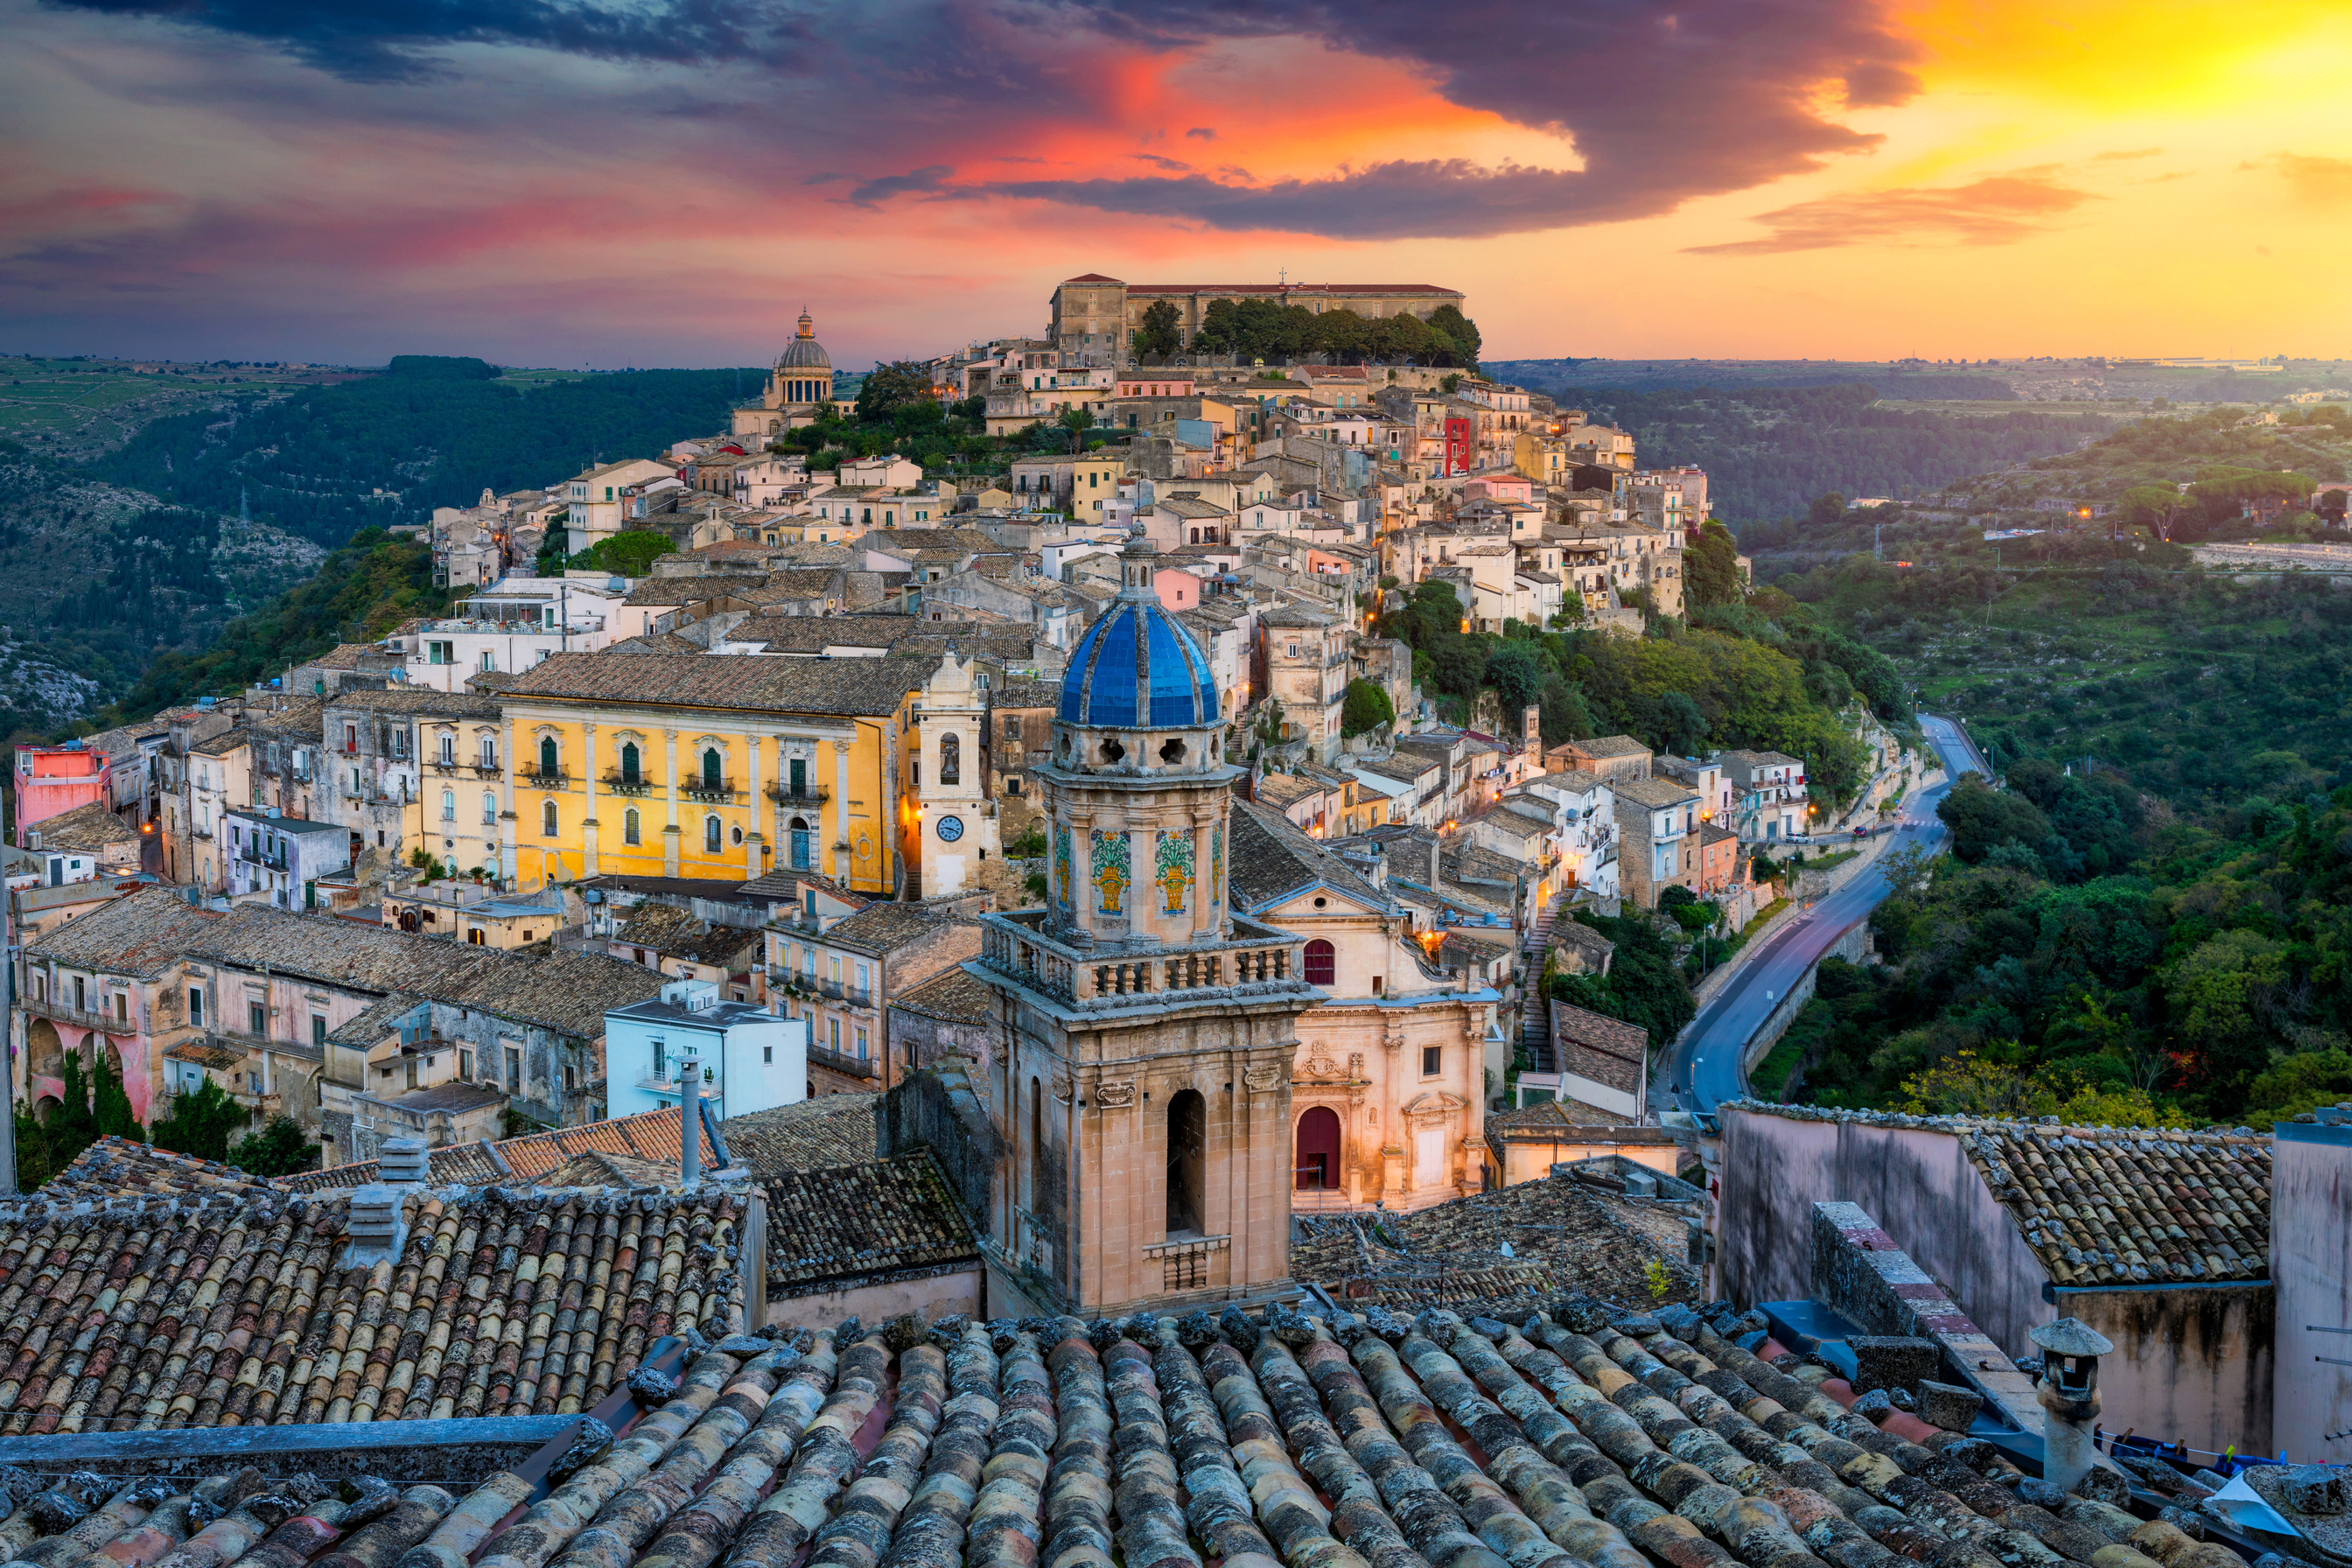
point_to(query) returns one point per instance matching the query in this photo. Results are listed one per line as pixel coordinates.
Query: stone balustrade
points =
(1012, 946)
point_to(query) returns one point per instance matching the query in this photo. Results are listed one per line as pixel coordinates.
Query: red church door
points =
(1317, 1166)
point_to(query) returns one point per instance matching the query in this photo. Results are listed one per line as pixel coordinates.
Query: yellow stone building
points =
(696, 766)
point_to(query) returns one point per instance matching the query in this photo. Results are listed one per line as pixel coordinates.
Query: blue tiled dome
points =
(1139, 668)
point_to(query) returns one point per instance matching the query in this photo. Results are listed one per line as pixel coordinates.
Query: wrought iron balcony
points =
(854, 1066)
(617, 785)
(798, 795)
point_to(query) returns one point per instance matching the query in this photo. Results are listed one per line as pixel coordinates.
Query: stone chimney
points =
(402, 1161)
(377, 1227)
(2071, 1350)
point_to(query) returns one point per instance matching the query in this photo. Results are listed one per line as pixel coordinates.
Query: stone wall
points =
(2203, 1374)
(1917, 1182)
(1858, 1271)
(2193, 1363)
(2309, 1169)
(936, 1109)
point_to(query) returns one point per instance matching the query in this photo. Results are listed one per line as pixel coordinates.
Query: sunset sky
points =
(667, 182)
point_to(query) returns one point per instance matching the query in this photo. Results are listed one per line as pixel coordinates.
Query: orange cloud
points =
(2316, 181)
(1996, 211)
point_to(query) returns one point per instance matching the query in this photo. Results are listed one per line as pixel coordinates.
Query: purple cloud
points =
(874, 192)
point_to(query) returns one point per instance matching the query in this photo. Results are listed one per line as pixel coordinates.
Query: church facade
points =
(1142, 1032)
(1147, 1032)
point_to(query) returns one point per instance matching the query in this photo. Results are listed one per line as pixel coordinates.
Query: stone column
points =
(1398, 1149)
(506, 821)
(752, 837)
(1204, 913)
(670, 832)
(840, 842)
(588, 785)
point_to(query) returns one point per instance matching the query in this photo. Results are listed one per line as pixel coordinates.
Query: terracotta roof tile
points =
(878, 1217)
(1561, 1240)
(831, 1129)
(1600, 1049)
(88, 827)
(855, 1446)
(867, 687)
(2111, 1205)
(140, 934)
(951, 996)
(649, 1135)
(244, 1309)
(115, 1167)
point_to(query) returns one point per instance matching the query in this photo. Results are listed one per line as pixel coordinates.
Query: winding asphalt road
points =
(1704, 1067)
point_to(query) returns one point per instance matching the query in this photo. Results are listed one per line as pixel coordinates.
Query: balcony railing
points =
(536, 779)
(800, 794)
(711, 792)
(1012, 945)
(489, 770)
(666, 1080)
(67, 1013)
(616, 785)
(854, 1066)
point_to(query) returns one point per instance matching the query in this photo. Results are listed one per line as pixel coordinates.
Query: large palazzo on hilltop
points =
(1146, 1033)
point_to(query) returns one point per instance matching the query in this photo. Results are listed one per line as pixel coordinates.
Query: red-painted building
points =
(1460, 446)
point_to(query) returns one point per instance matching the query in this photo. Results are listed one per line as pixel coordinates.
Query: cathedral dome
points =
(804, 352)
(1138, 668)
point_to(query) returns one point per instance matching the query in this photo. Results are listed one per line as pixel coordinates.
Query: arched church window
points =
(1187, 1149)
(1322, 965)
(1036, 1196)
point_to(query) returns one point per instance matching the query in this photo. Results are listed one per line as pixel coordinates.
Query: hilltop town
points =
(829, 960)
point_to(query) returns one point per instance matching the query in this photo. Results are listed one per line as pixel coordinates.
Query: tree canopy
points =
(1160, 332)
(1263, 329)
(1366, 706)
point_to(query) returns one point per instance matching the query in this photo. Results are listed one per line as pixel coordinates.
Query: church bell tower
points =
(1142, 1034)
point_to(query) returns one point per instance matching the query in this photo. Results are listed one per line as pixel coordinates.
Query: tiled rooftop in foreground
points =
(233, 1308)
(1579, 1436)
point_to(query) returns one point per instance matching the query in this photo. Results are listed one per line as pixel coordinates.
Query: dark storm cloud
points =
(378, 41)
(1663, 101)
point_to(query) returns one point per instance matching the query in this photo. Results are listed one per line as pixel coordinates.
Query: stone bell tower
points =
(1143, 1034)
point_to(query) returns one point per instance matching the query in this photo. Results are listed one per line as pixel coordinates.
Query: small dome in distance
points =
(804, 352)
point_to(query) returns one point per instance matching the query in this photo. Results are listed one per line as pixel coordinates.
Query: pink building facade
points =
(53, 780)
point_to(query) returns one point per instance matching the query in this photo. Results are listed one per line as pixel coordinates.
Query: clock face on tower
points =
(950, 830)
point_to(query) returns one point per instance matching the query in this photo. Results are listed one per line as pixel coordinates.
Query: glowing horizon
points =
(1756, 179)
